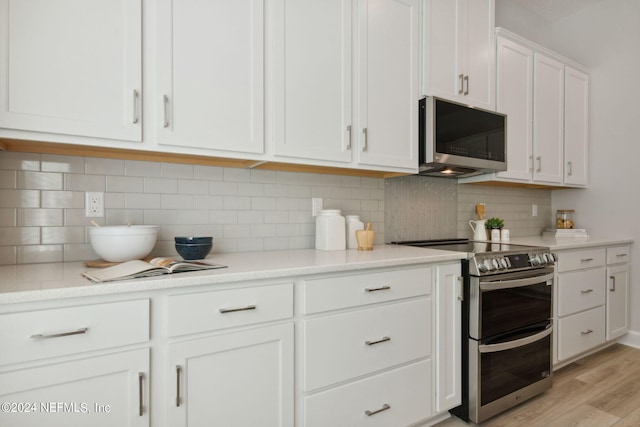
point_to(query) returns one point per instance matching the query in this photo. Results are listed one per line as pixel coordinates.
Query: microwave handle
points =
(516, 283)
(492, 348)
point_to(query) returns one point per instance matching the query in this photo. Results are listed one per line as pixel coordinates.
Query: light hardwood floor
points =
(600, 390)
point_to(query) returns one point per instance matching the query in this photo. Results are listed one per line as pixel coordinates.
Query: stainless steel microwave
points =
(458, 140)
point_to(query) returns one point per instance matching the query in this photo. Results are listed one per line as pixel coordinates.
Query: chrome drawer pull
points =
(165, 106)
(620, 255)
(586, 291)
(613, 283)
(586, 260)
(140, 382)
(61, 334)
(587, 332)
(135, 106)
(178, 372)
(231, 310)
(377, 411)
(382, 288)
(383, 339)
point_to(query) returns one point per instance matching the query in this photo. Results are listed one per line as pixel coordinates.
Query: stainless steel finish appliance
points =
(507, 326)
(457, 140)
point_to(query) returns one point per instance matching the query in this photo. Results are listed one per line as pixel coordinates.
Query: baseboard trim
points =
(632, 339)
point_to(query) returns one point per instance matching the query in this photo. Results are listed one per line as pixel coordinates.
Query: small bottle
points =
(353, 224)
(330, 226)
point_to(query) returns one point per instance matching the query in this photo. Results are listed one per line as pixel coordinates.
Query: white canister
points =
(495, 234)
(353, 224)
(504, 235)
(330, 226)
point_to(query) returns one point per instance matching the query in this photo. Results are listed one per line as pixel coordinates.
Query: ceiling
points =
(552, 10)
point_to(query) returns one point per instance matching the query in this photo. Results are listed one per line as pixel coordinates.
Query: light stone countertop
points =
(42, 282)
(556, 244)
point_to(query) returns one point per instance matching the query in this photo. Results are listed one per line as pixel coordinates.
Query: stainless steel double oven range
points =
(506, 324)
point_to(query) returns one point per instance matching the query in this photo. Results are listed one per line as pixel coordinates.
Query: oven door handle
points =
(492, 348)
(516, 283)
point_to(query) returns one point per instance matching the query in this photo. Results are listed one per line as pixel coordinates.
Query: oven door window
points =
(514, 362)
(510, 308)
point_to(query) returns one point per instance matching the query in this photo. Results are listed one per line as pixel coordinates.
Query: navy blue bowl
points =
(191, 240)
(194, 250)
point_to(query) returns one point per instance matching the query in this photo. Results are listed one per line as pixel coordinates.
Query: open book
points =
(139, 268)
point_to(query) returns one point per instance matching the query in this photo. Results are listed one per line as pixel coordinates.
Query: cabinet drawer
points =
(580, 332)
(343, 346)
(40, 334)
(206, 311)
(618, 254)
(360, 289)
(405, 391)
(576, 260)
(580, 290)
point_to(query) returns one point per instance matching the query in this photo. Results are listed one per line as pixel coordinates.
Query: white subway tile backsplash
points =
(58, 163)
(142, 169)
(223, 188)
(263, 176)
(209, 173)
(8, 255)
(31, 254)
(176, 201)
(175, 170)
(19, 198)
(237, 203)
(19, 161)
(8, 217)
(125, 184)
(16, 236)
(193, 186)
(8, 179)
(237, 175)
(161, 185)
(62, 235)
(264, 203)
(143, 201)
(62, 199)
(99, 166)
(77, 182)
(40, 217)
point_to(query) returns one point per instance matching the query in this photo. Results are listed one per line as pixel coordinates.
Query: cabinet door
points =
(238, 379)
(515, 98)
(448, 318)
(103, 391)
(478, 54)
(617, 301)
(313, 79)
(210, 73)
(548, 119)
(576, 126)
(71, 67)
(443, 76)
(388, 61)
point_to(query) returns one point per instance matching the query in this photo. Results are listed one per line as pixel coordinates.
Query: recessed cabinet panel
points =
(210, 74)
(72, 67)
(576, 126)
(313, 79)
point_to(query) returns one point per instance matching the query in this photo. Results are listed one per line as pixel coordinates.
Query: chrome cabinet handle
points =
(60, 334)
(231, 310)
(377, 411)
(461, 78)
(366, 138)
(613, 283)
(539, 160)
(349, 143)
(140, 386)
(530, 163)
(587, 332)
(586, 291)
(381, 340)
(135, 106)
(570, 166)
(165, 107)
(621, 255)
(382, 288)
(460, 289)
(466, 79)
(178, 374)
(586, 260)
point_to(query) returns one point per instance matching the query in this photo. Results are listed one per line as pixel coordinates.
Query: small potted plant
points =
(494, 224)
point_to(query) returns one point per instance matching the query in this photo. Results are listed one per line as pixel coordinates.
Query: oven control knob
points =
(503, 263)
(495, 263)
(551, 257)
(487, 265)
(535, 260)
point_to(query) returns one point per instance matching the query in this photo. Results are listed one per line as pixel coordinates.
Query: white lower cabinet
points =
(236, 379)
(395, 398)
(102, 391)
(592, 300)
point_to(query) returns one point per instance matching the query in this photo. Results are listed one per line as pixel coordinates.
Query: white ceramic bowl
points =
(119, 243)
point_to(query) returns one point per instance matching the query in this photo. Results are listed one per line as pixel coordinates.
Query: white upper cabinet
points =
(459, 51)
(346, 81)
(72, 67)
(514, 98)
(576, 129)
(312, 96)
(388, 82)
(548, 119)
(210, 74)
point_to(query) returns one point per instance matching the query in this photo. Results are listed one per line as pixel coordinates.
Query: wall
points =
(42, 216)
(419, 207)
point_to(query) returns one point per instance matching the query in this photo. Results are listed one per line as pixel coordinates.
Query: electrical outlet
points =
(94, 204)
(316, 205)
